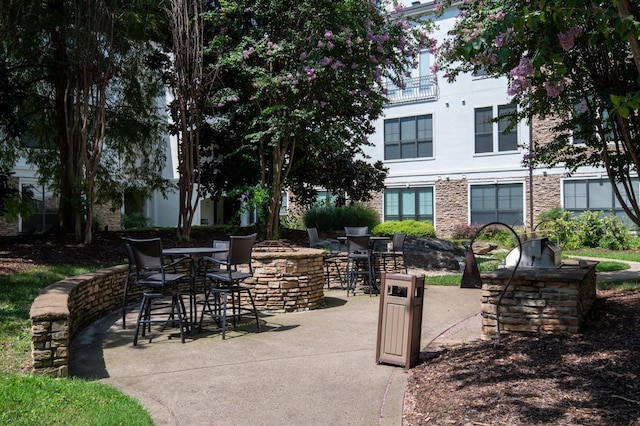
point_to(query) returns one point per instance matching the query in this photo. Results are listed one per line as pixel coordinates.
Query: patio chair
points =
(152, 273)
(226, 280)
(359, 263)
(356, 230)
(328, 259)
(395, 252)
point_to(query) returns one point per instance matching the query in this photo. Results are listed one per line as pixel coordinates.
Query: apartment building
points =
(450, 165)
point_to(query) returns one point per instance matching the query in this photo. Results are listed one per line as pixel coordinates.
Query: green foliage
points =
(588, 229)
(412, 228)
(499, 235)
(335, 218)
(291, 222)
(27, 400)
(135, 220)
(294, 110)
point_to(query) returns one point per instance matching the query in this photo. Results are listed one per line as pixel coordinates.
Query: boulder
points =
(433, 253)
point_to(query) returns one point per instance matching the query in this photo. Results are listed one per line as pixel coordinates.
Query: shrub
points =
(413, 228)
(499, 235)
(135, 220)
(463, 231)
(588, 229)
(331, 218)
(616, 235)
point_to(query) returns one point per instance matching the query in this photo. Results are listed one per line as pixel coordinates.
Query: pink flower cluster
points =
(520, 77)
(567, 39)
(553, 88)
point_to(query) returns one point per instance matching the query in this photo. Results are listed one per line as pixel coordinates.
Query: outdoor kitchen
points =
(537, 292)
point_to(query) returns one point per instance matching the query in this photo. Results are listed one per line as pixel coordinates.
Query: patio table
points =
(193, 252)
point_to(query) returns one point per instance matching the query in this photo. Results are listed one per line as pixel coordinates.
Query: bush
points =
(332, 218)
(494, 233)
(588, 229)
(135, 220)
(412, 228)
(463, 231)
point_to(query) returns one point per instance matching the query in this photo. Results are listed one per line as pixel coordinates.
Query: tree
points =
(84, 69)
(300, 79)
(190, 84)
(575, 61)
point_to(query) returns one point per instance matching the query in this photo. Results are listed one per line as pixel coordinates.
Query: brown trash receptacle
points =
(400, 319)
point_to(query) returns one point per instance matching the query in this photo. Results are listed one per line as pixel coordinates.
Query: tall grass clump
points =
(410, 227)
(332, 218)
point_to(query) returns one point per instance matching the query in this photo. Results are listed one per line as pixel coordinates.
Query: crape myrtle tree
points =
(574, 62)
(299, 86)
(87, 115)
(189, 81)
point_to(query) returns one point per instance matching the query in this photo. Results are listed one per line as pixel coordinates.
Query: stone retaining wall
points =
(538, 301)
(66, 307)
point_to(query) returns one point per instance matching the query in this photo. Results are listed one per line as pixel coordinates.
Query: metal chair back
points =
(356, 230)
(147, 254)
(240, 248)
(358, 244)
(314, 239)
(398, 242)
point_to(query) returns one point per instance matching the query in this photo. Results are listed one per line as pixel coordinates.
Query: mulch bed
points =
(587, 379)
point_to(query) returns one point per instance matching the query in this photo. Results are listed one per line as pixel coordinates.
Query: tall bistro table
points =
(374, 240)
(193, 252)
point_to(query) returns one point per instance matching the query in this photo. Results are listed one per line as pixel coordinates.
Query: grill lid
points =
(536, 253)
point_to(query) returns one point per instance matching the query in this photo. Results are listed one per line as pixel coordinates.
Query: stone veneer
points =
(287, 281)
(538, 301)
(64, 308)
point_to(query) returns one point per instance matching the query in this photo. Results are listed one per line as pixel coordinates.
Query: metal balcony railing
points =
(424, 88)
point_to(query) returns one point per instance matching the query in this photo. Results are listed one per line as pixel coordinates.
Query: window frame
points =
(418, 213)
(500, 142)
(498, 211)
(613, 208)
(401, 148)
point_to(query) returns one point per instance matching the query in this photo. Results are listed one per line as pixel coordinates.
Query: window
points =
(408, 137)
(595, 195)
(327, 198)
(497, 203)
(409, 203)
(45, 208)
(485, 128)
(284, 203)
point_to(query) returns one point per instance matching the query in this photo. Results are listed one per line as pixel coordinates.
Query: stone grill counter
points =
(538, 301)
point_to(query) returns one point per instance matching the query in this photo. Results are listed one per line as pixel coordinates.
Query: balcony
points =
(417, 89)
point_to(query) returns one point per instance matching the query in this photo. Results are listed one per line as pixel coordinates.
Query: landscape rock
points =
(433, 253)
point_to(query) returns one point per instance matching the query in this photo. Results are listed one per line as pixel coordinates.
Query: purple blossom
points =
(320, 43)
(303, 56)
(553, 88)
(325, 61)
(337, 64)
(520, 77)
(330, 45)
(247, 52)
(567, 39)
(328, 34)
(434, 68)
(311, 73)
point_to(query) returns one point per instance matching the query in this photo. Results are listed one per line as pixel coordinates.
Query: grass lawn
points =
(29, 400)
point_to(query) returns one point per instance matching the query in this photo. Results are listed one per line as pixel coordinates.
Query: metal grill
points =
(273, 246)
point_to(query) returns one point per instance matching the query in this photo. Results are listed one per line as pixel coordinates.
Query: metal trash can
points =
(400, 319)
